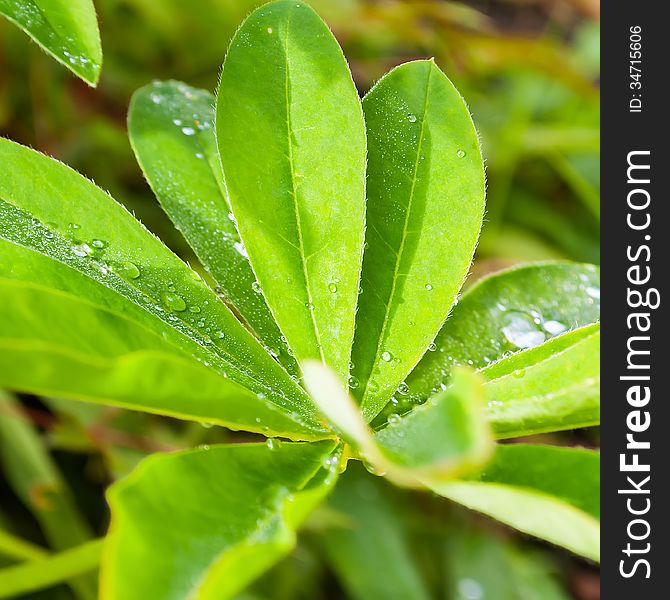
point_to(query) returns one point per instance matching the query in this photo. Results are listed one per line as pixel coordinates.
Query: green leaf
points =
(49, 571)
(425, 203)
(66, 29)
(18, 548)
(508, 312)
(447, 436)
(234, 516)
(60, 232)
(481, 565)
(548, 492)
(551, 387)
(171, 128)
(103, 357)
(370, 551)
(292, 142)
(35, 479)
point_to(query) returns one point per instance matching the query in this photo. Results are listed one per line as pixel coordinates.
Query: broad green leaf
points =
(235, 514)
(370, 551)
(66, 29)
(49, 571)
(446, 437)
(35, 479)
(61, 232)
(171, 128)
(425, 203)
(508, 312)
(550, 387)
(103, 357)
(548, 492)
(482, 565)
(292, 142)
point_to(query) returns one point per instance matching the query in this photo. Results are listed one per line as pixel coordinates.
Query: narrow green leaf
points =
(35, 479)
(171, 128)
(548, 492)
(425, 204)
(370, 551)
(235, 515)
(446, 436)
(508, 312)
(550, 387)
(292, 142)
(60, 231)
(18, 548)
(103, 357)
(49, 571)
(66, 29)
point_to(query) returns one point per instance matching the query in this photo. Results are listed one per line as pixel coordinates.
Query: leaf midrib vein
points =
(401, 248)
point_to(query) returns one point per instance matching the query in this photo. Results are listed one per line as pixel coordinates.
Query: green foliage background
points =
(529, 71)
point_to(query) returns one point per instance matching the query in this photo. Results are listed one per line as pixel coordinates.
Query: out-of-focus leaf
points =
(550, 387)
(481, 565)
(370, 550)
(425, 202)
(235, 515)
(49, 571)
(15, 547)
(66, 29)
(292, 142)
(36, 480)
(63, 233)
(171, 127)
(548, 492)
(508, 312)
(446, 437)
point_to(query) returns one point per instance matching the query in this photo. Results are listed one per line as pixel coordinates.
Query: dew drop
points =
(411, 118)
(393, 419)
(521, 331)
(220, 334)
(432, 347)
(429, 287)
(188, 130)
(554, 327)
(403, 389)
(470, 589)
(460, 154)
(256, 287)
(269, 29)
(82, 250)
(353, 382)
(98, 244)
(386, 356)
(174, 302)
(271, 443)
(332, 288)
(177, 122)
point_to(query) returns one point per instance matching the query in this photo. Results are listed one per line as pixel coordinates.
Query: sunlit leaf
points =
(292, 142)
(425, 202)
(171, 127)
(66, 29)
(548, 492)
(234, 515)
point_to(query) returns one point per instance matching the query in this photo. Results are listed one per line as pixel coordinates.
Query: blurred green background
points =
(529, 72)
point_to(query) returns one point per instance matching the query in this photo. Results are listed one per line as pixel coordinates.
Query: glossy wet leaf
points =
(551, 387)
(548, 492)
(369, 549)
(292, 142)
(506, 313)
(171, 128)
(103, 357)
(234, 515)
(425, 202)
(446, 437)
(61, 232)
(66, 29)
